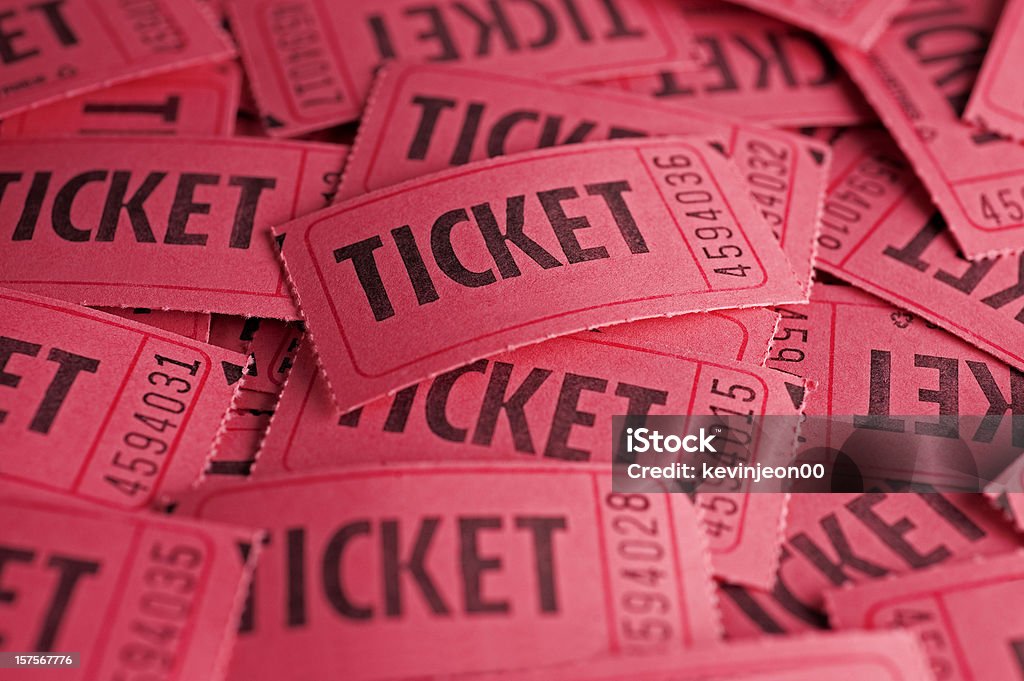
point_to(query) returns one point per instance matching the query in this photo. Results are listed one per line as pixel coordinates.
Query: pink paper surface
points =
(642, 255)
(62, 49)
(194, 325)
(1007, 493)
(523, 553)
(136, 596)
(854, 22)
(962, 615)
(882, 365)
(100, 408)
(161, 223)
(975, 177)
(850, 656)
(758, 68)
(312, 61)
(425, 118)
(997, 100)
(202, 100)
(837, 539)
(880, 232)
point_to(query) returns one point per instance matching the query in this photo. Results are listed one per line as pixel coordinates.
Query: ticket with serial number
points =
(523, 248)
(997, 100)
(849, 538)
(54, 50)
(271, 345)
(172, 223)
(401, 571)
(521, 403)
(312, 61)
(194, 325)
(857, 23)
(901, 396)
(880, 232)
(759, 68)
(849, 656)
(134, 595)
(952, 612)
(918, 77)
(202, 100)
(424, 118)
(101, 408)
(555, 401)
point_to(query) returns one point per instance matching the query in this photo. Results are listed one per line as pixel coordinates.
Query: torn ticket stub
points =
(311, 62)
(974, 176)
(202, 100)
(100, 408)
(133, 595)
(421, 119)
(54, 50)
(518, 253)
(466, 552)
(997, 100)
(172, 223)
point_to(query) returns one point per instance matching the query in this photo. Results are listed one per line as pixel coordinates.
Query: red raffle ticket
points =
(177, 223)
(546, 382)
(311, 62)
(997, 100)
(202, 100)
(100, 408)
(554, 400)
(855, 22)
(897, 384)
(850, 656)
(880, 232)
(963, 615)
(836, 539)
(136, 596)
(425, 118)
(668, 230)
(758, 68)
(62, 48)
(918, 77)
(419, 568)
(1007, 492)
(194, 325)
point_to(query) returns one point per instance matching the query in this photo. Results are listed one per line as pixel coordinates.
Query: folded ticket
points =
(853, 656)
(100, 408)
(194, 325)
(199, 101)
(918, 77)
(880, 232)
(135, 596)
(959, 614)
(759, 68)
(177, 223)
(393, 572)
(837, 539)
(997, 100)
(901, 398)
(311, 62)
(854, 22)
(57, 49)
(424, 118)
(665, 226)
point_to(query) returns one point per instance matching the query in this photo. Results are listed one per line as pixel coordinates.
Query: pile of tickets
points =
(315, 315)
